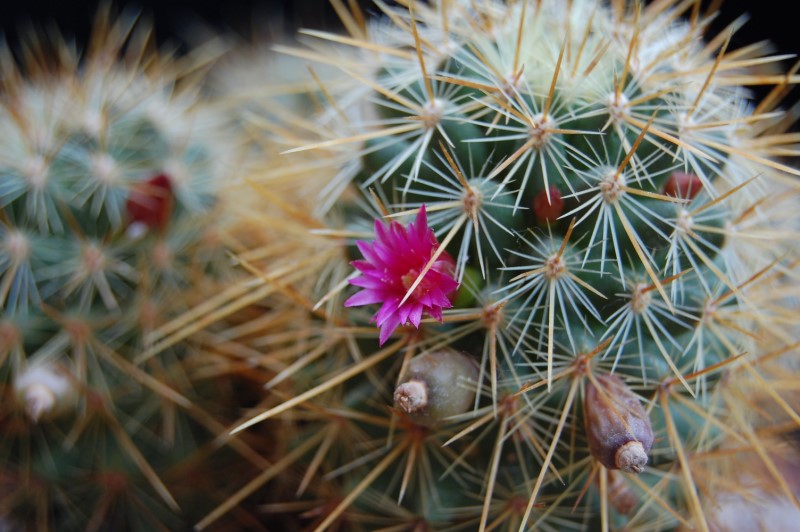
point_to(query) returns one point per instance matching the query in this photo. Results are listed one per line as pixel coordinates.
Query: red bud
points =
(683, 185)
(150, 202)
(548, 209)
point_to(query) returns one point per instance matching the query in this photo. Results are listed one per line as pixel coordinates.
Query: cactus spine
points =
(112, 178)
(518, 265)
(602, 183)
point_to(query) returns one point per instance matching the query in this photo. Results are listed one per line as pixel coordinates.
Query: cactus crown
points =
(110, 178)
(585, 167)
(511, 264)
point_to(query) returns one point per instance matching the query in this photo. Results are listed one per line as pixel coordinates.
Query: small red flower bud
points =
(683, 185)
(150, 202)
(617, 427)
(548, 209)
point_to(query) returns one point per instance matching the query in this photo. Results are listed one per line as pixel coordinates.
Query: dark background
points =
(173, 17)
(175, 20)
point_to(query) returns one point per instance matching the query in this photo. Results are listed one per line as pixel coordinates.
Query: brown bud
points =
(436, 386)
(620, 495)
(617, 426)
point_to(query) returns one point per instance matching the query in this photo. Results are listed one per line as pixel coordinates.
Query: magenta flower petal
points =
(392, 263)
(415, 314)
(388, 328)
(365, 297)
(436, 313)
(369, 282)
(388, 311)
(403, 314)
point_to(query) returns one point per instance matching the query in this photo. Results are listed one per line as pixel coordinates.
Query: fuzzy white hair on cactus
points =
(45, 390)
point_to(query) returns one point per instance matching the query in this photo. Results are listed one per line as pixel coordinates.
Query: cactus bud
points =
(620, 495)
(548, 205)
(44, 391)
(682, 185)
(436, 386)
(617, 426)
(411, 396)
(149, 204)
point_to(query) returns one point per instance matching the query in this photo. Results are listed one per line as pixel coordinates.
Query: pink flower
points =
(392, 264)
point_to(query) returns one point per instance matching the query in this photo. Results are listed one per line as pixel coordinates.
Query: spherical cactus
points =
(523, 265)
(113, 171)
(605, 188)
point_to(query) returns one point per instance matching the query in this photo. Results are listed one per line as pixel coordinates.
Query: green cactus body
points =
(110, 183)
(610, 169)
(524, 266)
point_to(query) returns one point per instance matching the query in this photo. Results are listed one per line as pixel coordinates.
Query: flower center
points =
(408, 281)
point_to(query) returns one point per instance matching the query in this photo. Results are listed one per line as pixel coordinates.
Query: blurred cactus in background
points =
(114, 171)
(467, 266)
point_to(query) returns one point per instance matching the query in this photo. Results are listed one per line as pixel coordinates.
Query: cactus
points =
(517, 265)
(113, 172)
(619, 218)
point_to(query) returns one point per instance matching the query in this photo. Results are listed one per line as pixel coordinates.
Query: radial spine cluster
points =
(466, 265)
